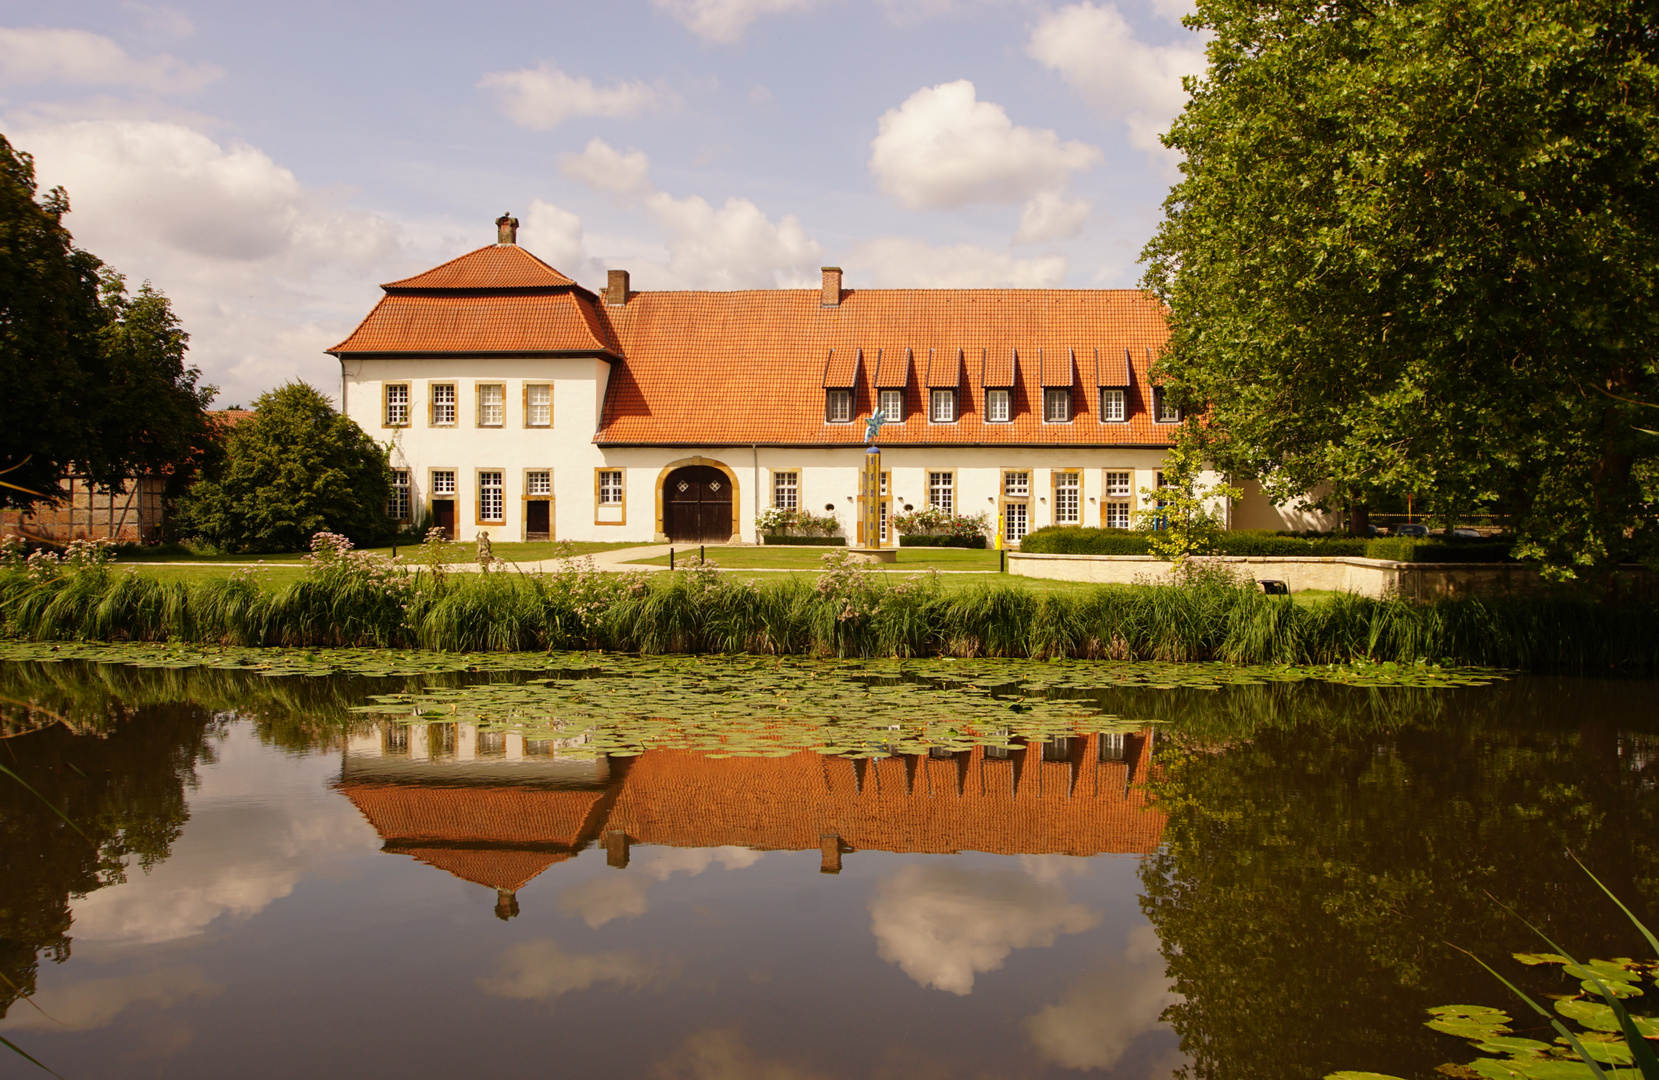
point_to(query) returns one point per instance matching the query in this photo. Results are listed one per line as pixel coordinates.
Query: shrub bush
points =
(1077, 540)
(942, 540)
(833, 541)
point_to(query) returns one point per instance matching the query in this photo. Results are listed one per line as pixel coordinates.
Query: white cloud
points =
(609, 896)
(734, 247)
(943, 925)
(906, 262)
(263, 271)
(944, 147)
(233, 859)
(598, 900)
(722, 1055)
(1096, 52)
(725, 21)
(94, 1003)
(541, 969)
(1049, 215)
(45, 54)
(604, 168)
(541, 97)
(554, 235)
(1107, 1011)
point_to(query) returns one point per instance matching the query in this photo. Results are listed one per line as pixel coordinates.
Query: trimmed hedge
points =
(1077, 540)
(942, 541)
(820, 541)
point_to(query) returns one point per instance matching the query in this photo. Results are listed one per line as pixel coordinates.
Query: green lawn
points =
(460, 552)
(812, 558)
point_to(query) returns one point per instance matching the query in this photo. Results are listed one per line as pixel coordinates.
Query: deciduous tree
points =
(1414, 250)
(293, 469)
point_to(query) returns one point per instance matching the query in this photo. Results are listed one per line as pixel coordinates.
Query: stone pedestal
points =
(885, 555)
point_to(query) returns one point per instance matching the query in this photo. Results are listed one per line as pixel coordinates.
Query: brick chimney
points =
(616, 287)
(506, 229)
(832, 287)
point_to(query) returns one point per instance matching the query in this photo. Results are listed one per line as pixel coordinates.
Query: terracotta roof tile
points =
(734, 368)
(504, 814)
(944, 368)
(1112, 366)
(493, 868)
(1059, 369)
(498, 266)
(893, 368)
(842, 367)
(1001, 366)
(469, 323)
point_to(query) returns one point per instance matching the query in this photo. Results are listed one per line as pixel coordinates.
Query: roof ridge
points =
(556, 277)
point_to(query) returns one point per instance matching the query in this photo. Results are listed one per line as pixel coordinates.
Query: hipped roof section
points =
(498, 299)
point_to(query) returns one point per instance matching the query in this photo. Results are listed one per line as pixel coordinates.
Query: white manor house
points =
(520, 404)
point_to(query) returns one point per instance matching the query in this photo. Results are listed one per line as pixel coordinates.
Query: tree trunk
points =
(1359, 519)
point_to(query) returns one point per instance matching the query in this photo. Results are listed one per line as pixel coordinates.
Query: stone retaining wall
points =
(1367, 577)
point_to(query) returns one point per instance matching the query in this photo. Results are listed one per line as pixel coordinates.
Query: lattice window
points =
(397, 404)
(999, 408)
(538, 405)
(610, 487)
(1113, 405)
(1067, 491)
(538, 482)
(941, 491)
(443, 405)
(492, 405)
(786, 490)
(492, 497)
(397, 503)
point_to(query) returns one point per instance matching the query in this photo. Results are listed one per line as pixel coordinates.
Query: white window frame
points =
(786, 489)
(1068, 497)
(1016, 513)
(443, 482)
(1117, 514)
(1118, 483)
(941, 405)
(609, 482)
(538, 414)
(999, 406)
(442, 412)
(891, 404)
(941, 490)
(394, 405)
(398, 505)
(838, 406)
(1162, 411)
(1016, 484)
(492, 413)
(492, 493)
(1056, 405)
(1114, 405)
(538, 482)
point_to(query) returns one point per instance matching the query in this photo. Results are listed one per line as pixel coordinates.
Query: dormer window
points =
(838, 406)
(1114, 405)
(999, 408)
(891, 404)
(1164, 408)
(1057, 405)
(942, 406)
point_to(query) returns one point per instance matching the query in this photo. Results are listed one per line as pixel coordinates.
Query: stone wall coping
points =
(1342, 560)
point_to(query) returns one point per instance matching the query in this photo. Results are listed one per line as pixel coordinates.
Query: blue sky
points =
(268, 165)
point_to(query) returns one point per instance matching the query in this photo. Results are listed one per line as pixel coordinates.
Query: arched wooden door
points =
(697, 505)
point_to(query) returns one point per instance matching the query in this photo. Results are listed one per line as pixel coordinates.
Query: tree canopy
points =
(293, 469)
(1413, 251)
(95, 381)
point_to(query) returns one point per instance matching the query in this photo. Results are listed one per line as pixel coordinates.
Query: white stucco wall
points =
(828, 477)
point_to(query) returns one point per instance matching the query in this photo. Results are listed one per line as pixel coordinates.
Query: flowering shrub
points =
(932, 521)
(11, 551)
(332, 555)
(776, 521)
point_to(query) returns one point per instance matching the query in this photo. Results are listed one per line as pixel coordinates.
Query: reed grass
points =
(707, 612)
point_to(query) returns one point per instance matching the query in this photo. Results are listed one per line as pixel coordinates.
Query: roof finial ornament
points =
(506, 229)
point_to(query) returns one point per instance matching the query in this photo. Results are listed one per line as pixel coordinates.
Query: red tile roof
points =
(841, 369)
(893, 369)
(437, 323)
(1000, 368)
(498, 266)
(733, 368)
(1112, 367)
(1058, 369)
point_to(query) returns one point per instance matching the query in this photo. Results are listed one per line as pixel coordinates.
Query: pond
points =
(336, 864)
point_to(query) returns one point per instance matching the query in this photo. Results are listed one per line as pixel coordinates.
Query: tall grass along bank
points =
(354, 599)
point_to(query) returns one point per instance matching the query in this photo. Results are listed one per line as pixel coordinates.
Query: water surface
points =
(1247, 881)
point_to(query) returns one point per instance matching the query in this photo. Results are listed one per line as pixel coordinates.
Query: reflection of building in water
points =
(493, 809)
